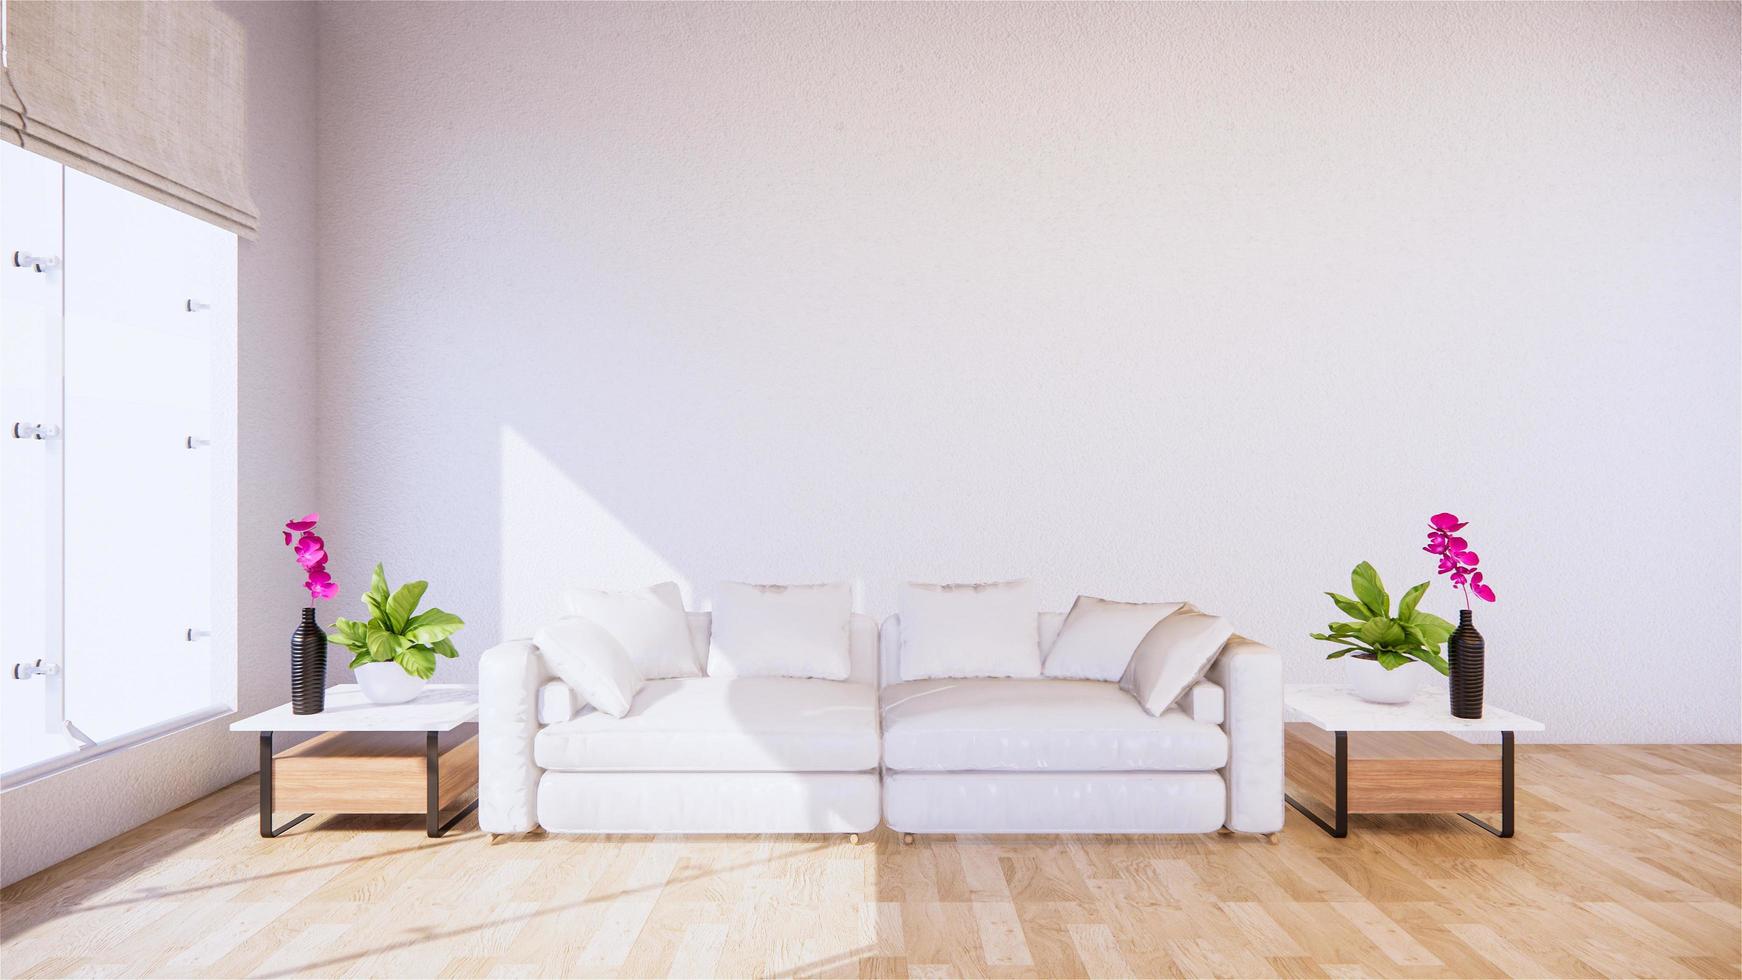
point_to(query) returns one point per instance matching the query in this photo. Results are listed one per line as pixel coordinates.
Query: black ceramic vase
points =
(308, 666)
(1464, 655)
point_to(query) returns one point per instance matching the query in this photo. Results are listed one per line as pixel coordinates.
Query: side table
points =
(363, 763)
(1364, 757)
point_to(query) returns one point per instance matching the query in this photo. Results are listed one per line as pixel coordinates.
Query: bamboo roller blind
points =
(148, 95)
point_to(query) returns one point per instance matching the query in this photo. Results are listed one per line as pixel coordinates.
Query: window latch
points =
(35, 263)
(35, 430)
(25, 672)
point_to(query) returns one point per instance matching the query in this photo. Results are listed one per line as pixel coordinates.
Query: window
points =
(117, 538)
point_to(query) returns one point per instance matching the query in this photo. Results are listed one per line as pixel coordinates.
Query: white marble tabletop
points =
(437, 708)
(1335, 708)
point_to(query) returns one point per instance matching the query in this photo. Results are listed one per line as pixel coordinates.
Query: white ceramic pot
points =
(387, 683)
(1372, 682)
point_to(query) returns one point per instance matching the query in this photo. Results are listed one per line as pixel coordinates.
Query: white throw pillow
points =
(988, 630)
(1173, 656)
(781, 631)
(650, 623)
(590, 660)
(1100, 635)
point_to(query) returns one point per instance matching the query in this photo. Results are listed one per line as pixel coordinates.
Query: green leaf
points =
(385, 645)
(1413, 632)
(350, 634)
(1349, 606)
(1343, 652)
(1406, 605)
(432, 625)
(1370, 590)
(402, 603)
(417, 661)
(376, 597)
(360, 659)
(1434, 630)
(1345, 629)
(1391, 659)
(445, 648)
(1432, 659)
(1382, 632)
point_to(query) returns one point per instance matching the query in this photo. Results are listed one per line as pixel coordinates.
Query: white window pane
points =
(138, 500)
(30, 215)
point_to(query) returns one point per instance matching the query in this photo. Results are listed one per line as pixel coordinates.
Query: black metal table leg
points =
(266, 828)
(1505, 829)
(433, 787)
(1342, 815)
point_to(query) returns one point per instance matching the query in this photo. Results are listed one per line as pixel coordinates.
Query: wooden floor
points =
(1626, 863)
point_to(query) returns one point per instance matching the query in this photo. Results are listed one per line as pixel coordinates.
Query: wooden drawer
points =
(1395, 772)
(372, 772)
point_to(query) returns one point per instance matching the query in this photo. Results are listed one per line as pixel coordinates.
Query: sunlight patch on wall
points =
(556, 534)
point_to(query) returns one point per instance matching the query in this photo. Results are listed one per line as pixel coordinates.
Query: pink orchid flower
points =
(1447, 522)
(311, 554)
(320, 585)
(1482, 591)
(311, 551)
(1456, 558)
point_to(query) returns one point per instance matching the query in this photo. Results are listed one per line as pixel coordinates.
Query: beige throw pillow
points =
(985, 630)
(591, 661)
(650, 623)
(1099, 637)
(781, 631)
(1173, 656)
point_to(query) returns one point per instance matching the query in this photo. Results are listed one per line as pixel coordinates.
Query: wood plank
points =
(1580, 892)
(369, 772)
(1401, 772)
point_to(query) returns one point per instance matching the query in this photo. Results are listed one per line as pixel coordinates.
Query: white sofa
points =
(1052, 756)
(694, 755)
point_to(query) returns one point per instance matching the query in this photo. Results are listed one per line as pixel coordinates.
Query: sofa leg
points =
(907, 838)
(852, 838)
(496, 837)
(1223, 831)
(1275, 838)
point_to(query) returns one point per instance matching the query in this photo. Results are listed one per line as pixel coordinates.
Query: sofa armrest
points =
(509, 677)
(557, 703)
(1251, 674)
(1206, 702)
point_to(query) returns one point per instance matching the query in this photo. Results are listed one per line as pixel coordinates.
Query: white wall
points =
(1163, 301)
(54, 818)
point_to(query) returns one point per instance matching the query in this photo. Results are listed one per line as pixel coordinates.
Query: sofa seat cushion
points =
(723, 724)
(1039, 725)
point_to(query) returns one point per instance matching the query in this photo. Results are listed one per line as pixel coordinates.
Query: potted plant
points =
(395, 650)
(1381, 648)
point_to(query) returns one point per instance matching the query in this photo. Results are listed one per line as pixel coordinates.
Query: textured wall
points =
(57, 817)
(1166, 301)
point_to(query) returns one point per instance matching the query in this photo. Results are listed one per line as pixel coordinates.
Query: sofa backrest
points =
(862, 643)
(889, 643)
